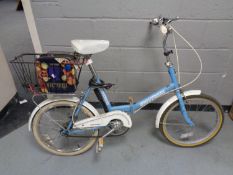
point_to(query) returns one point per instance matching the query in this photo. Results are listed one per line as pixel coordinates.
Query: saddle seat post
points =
(92, 69)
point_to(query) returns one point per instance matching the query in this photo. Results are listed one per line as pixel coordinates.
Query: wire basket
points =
(29, 74)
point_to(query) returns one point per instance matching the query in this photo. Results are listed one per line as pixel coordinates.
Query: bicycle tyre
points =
(46, 144)
(187, 142)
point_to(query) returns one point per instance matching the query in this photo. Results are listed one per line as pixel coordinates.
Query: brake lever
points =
(173, 19)
(154, 21)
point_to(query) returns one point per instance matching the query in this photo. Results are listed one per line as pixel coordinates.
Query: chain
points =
(82, 136)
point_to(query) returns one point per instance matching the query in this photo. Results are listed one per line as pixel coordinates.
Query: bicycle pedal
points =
(100, 145)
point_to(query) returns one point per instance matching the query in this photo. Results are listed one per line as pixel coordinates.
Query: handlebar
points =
(165, 29)
(162, 20)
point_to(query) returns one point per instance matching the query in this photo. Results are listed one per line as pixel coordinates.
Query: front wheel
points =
(206, 114)
(51, 119)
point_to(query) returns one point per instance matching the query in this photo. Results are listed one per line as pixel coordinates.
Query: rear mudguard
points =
(172, 100)
(73, 99)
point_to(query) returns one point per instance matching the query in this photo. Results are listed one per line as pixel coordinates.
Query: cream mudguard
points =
(104, 119)
(170, 101)
(73, 99)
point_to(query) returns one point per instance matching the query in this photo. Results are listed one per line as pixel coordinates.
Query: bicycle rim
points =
(49, 122)
(206, 114)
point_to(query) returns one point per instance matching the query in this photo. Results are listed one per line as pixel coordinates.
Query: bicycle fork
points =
(183, 110)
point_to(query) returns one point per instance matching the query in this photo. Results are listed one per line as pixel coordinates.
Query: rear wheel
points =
(51, 119)
(206, 114)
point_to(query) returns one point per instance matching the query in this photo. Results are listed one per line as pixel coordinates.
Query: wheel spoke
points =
(174, 124)
(50, 118)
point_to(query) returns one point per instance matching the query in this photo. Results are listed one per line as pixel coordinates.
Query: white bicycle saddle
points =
(86, 47)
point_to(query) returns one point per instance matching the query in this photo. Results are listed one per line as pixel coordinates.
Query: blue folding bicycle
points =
(71, 126)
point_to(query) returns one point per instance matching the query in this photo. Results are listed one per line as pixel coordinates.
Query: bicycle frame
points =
(133, 108)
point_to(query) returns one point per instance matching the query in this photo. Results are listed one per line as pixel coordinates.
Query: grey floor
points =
(141, 151)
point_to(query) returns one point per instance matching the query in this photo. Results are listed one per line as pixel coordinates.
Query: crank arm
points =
(100, 143)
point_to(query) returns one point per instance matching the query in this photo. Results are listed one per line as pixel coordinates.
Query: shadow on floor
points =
(16, 116)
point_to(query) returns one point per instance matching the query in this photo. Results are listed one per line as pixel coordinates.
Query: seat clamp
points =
(89, 61)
